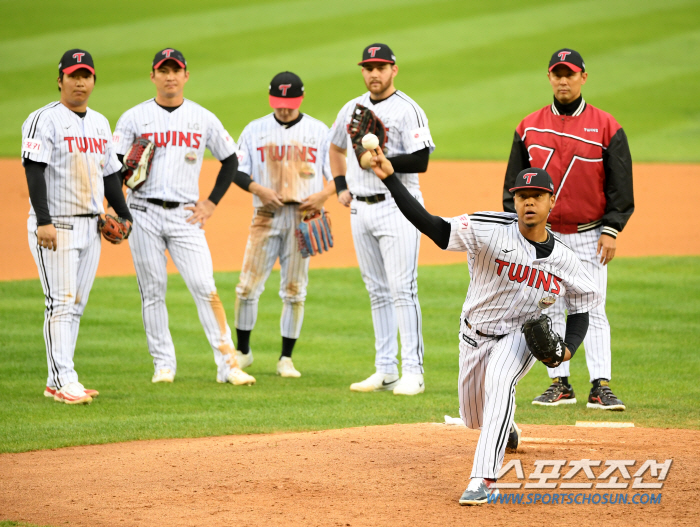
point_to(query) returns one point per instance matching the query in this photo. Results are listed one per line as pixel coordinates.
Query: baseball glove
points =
(363, 122)
(314, 234)
(544, 344)
(114, 230)
(137, 162)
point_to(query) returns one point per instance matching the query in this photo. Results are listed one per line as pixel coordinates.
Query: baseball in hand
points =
(370, 142)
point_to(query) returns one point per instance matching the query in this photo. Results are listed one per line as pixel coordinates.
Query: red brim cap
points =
(286, 102)
(530, 187)
(71, 69)
(158, 65)
(573, 67)
(375, 60)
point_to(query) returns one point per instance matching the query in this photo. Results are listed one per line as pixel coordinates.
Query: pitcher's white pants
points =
(66, 275)
(387, 246)
(489, 370)
(271, 237)
(155, 230)
(597, 340)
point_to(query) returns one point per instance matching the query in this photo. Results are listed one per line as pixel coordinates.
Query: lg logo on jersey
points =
(535, 278)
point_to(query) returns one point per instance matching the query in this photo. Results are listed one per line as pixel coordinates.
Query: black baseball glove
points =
(544, 344)
(364, 121)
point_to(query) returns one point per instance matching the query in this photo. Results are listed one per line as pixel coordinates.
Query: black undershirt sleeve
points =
(242, 179)
(223, 180)
(434, 227)
(576, 327)
(37, 190)
(115, 197)
(120, 157)
(415, 162)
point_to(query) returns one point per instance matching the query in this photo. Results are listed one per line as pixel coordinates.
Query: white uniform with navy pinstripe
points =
(78, 153)
(386, 243)
(181, 137)
(293, 161)
(507, 286)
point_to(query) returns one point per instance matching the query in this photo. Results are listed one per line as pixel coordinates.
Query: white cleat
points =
(72, 393)
(285, 368)
(410, 384)
(163, 375)
(244, 359)
(238, 377)
(376, 382)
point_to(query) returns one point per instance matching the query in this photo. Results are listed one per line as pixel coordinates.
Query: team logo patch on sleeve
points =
(31, 146)
(117, 138)
(463, 222)
(421, 134)
(226, 137)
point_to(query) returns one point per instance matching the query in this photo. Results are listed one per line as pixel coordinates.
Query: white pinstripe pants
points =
(271, 237)
(155, 230)
(597, 340)
(489, 370)
(66, 275)
(387, 246)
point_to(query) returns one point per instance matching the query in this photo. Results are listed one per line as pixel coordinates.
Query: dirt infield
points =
(662, 194)
(384, 475)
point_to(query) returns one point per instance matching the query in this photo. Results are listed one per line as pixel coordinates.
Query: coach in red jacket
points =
(585, 151)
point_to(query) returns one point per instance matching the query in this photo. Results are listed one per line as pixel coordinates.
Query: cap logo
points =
(529, 176)
(373, 51)
(167, 52)
(562, 54)
(284, 88)
(78, 57)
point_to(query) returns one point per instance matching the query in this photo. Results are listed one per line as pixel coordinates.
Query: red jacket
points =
(588, 158)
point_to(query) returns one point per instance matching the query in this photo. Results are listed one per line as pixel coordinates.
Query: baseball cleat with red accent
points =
(72, 393)
(50, 391)
(602, 398)
(558, 393)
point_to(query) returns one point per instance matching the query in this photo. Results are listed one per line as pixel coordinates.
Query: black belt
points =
(86, 215)
(164, 204)
(371, 199)
(482, 334)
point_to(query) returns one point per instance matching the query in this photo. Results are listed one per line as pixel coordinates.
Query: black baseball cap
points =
(567, 57)
(377, 53)
(169, 54)
(286, 90)
(533, 178)
(74, 59)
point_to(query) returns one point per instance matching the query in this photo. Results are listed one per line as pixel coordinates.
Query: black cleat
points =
(602, 398)
(558, 393)
(513, 439)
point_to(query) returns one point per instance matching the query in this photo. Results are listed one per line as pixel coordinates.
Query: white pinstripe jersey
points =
(78, 153)
(180, 137)
(508, 284)
(292, 161)
(407, 132)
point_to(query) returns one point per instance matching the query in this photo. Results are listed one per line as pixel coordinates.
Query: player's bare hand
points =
(314, 203)
(381, 165)
(345, 198)
(46, 236)
(271, 200)
(606, 248)
(366, 160)
(201, 212)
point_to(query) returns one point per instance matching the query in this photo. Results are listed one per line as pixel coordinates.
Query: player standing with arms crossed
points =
(586, 152)
(170, 214)
(283, 161)
(386, 244)
(517, 268)
(71, 167)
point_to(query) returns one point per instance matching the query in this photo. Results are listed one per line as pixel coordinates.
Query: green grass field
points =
(477, 68)
(654, 308)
